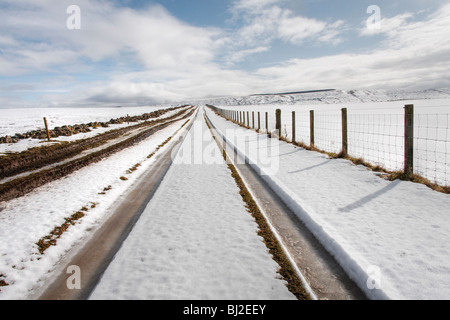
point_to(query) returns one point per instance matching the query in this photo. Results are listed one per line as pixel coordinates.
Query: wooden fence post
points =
(248, 119)
(267, 122)
(409, 140)
(253, 119)
(293, 126)
(344, 132)
(278, 122)
(259, 121)
(46, 128)
(311, 129)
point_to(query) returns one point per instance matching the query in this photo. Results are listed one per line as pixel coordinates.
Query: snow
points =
(25, 220)
(392, 238)
(15, 121)
(21, 120)
(195, 240)
(375, 131)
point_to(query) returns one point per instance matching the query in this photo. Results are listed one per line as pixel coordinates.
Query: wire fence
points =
(397, 141)
(432, 147)
(378, 139)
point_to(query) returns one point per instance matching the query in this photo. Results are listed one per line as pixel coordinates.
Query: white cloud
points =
(265, 21)
(252, 5)
(165, 49)
(151, 36)
(415, 54)
(296, 29)
(158, 40)
(176, 61)
(241, 55)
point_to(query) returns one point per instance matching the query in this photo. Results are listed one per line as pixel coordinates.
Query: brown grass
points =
(51, 239)
(3, 282)
(417, 179)
(105, 189)
(134, 168)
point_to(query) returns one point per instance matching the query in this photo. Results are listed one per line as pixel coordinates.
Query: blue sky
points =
(130, 52)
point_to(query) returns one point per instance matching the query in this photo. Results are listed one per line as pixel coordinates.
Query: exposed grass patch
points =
(286, 270)
(417, 179)
(51, 239)
(134, 168)
(106, 189)
(359, 161)
(3, 282)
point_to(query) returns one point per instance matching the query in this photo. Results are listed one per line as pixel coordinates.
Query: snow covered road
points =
(195, 240)
(392, 238)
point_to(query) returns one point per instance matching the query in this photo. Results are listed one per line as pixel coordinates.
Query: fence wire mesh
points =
(377, 136)
(328, 132)
(432, 146)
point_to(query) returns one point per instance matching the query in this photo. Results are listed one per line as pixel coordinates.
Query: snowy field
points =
(14, 121)
(392, 238)
(375, 131)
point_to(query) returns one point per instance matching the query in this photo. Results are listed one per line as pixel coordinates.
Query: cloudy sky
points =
(127, 52)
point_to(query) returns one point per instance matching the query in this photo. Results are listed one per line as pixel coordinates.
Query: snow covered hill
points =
(330, 97)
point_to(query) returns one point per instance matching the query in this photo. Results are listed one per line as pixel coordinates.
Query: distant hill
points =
(329, 96)
(291, 93)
